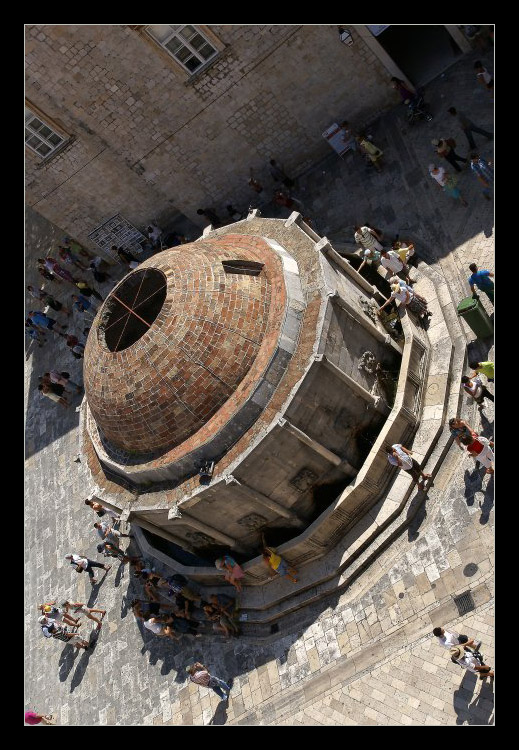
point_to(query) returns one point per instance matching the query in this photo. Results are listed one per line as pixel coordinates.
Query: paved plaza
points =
(368, 657)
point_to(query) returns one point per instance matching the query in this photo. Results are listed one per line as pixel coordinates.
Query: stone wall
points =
(148, 141)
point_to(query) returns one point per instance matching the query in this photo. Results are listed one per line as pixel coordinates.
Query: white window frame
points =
(39, 133)
(193, 53)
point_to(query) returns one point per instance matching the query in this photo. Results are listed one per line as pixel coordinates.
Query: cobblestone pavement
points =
(368, 657)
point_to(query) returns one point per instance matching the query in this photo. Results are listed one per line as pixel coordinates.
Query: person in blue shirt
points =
(481, 280)
(83, 304)
(40, 320)
(481, 168)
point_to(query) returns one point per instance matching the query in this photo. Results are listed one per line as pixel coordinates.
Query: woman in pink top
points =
(233, 570)
(31, 717)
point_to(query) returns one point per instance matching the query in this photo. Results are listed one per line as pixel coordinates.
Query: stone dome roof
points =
(177, 339)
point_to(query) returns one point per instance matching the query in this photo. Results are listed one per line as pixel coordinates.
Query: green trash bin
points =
(476, 317)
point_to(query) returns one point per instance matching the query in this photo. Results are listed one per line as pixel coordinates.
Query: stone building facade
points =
(133, 131)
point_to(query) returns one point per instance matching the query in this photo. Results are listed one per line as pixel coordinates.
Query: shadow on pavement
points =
(66, 662)
(83, 662)
(488, 502)
(474, 709)
(473, 483)
(417, 512)
(220, 715)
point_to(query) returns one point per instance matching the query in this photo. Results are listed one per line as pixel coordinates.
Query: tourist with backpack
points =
(473, 661)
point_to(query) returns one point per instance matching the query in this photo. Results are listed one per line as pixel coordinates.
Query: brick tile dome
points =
(176, 337)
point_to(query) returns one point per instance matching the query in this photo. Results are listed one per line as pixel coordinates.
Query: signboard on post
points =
(335, 137)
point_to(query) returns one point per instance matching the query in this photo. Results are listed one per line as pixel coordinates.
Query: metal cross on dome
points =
(134, 306)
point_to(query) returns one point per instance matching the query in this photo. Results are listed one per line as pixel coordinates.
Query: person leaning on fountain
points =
(399, 456)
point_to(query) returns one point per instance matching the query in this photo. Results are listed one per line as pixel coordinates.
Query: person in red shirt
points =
(480, 448)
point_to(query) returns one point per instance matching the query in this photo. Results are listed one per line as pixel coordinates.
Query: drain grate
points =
(464, 603)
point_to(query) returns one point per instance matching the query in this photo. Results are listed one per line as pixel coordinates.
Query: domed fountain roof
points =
(177, 336)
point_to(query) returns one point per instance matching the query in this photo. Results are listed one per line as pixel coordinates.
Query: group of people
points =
(464, 651)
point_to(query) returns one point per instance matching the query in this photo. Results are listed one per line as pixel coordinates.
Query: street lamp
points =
(345, 36)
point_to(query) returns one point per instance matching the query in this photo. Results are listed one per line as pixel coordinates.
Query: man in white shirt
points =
(448, 639)
(399, 456)
(85, 563)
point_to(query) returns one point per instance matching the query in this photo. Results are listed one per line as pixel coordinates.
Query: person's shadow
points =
(417, 512)
(488, 426)
(220, 715)
(83, 662)
(95, 590)
(482, 707)
(488, 502)
(473, 484)
(66, 661)
(462, 697)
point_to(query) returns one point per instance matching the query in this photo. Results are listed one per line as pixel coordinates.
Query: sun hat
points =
(42, 619)
(455, 651)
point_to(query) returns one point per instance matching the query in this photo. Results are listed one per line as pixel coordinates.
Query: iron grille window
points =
(39, 136)
(185, 43)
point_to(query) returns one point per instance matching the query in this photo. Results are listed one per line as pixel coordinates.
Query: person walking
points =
(84, 563)
(51, 629)
(45, 272)
(447, 183)
(43, 296)
(88, 291)
(475, 388)
(468, 126)
(33, 718)
(62, 378)
(108, 533)
(468, 661)
(482, 170)
(275, 562)
(399, 456)
(83, 304)
(372, 152)
(445, 148)
(278, 174)
(43, 321)
(54, 268)
(58, 615)
(483, 368)
(483, 76)
(67, 256)
(482, 280)
(233, 572)
(79, 608)
(200, 675)
(101, 510)
(480, 448)
(35, 333)
(109, 549)
(54, 392)
(451, 638)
